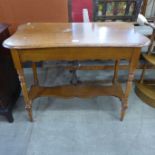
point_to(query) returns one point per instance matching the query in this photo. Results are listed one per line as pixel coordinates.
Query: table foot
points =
(123, 109)
(29, 110)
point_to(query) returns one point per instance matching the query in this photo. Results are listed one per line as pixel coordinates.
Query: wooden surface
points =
(80, 90)
(146, 93)
(74, 53)
(46, 35)
(150, 58)
(80, 41)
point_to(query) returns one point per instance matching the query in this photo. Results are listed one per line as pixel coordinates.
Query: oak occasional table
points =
(76, 42)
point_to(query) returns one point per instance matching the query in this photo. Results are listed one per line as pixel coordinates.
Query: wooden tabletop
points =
(46, 35)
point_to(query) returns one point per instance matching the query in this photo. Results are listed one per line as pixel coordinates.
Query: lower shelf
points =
(146, 92)
(80, 90)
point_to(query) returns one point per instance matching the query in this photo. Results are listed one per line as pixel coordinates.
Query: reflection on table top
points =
(46, 35)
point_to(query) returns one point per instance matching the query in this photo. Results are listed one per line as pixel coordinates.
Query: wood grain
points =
(80, 90)
(146, 93)
(150, 58)
(46, 35)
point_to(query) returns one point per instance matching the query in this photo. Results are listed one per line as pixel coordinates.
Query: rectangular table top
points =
(48, 35)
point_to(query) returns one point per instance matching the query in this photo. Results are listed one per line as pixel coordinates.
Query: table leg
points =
(125, 98)
(18, 66)
(116, 69)
(35, 76)
(132, 68)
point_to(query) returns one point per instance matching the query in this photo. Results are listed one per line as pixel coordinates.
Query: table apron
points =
(76, 53)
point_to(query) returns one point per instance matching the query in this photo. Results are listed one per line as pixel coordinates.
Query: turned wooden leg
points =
(35, 76)
(123, 108)
(125, 98)
(132, 68)
(18, 65)
(116, 69)
(28, 107)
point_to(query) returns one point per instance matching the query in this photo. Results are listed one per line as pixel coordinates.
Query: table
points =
(76, 42)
